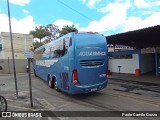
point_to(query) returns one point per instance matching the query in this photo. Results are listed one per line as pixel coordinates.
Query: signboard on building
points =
(150, 50)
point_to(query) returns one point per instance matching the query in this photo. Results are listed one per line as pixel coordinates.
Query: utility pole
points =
(30, 84)
(14, 69)
(29, 56)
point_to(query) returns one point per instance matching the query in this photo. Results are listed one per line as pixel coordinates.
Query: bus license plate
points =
(93, 89)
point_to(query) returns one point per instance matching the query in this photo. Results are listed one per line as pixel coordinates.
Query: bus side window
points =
(62, 50)
(66, 44)
(51, 53)
(55, 50)
(59, 49)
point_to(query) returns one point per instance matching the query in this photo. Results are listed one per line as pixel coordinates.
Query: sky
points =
(107, 17)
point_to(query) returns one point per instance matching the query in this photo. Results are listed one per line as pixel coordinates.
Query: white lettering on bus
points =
(46, 63)
(92, 53)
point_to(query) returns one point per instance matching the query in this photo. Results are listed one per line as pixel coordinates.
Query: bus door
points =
(90, 55)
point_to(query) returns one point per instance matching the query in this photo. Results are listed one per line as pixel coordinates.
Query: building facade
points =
(21, 43)
(129, 61)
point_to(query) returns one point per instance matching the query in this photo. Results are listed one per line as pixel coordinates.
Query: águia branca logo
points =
(92, 53)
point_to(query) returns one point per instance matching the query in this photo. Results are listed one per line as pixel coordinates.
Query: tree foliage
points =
(46, 41)
(40, 32)
(53, 30)
(67, 29)
(36, 45)
(50, 32)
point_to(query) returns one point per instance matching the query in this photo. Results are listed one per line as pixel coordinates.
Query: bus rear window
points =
(90, 41)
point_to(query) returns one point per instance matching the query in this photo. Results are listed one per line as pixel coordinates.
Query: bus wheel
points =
(55, 85)
(50, 82)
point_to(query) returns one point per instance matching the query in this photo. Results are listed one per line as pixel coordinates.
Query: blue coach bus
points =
(74, 63)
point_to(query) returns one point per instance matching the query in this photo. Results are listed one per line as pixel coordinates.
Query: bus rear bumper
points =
(78, 89)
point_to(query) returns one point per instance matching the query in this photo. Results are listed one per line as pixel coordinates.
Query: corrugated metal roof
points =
(142, 38)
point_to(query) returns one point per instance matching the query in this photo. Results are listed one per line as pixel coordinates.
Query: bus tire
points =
(50, 82)
(55, 85)
(35, 74)
(3, 105)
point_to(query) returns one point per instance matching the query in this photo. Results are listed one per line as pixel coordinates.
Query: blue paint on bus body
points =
(78, 62)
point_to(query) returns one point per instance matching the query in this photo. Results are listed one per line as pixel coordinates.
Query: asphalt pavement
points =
(116, 97)
(142, 79)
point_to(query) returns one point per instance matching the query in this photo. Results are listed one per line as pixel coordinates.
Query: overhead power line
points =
(79, 13)
(74, 10)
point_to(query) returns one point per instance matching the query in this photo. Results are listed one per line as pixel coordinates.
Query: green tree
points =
(49, 32)
(46, 41)
(67, 29)
(53, 29)
(36, 45)
(40, 32)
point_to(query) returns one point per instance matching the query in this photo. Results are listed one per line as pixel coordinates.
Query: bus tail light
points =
(75, 77)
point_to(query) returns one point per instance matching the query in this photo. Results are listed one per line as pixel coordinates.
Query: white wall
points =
(128, 65)
(147, 63)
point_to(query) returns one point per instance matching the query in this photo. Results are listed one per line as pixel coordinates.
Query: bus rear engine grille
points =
(91, 63)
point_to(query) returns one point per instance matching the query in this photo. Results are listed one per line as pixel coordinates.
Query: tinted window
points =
(59, 48)
(90, 40)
